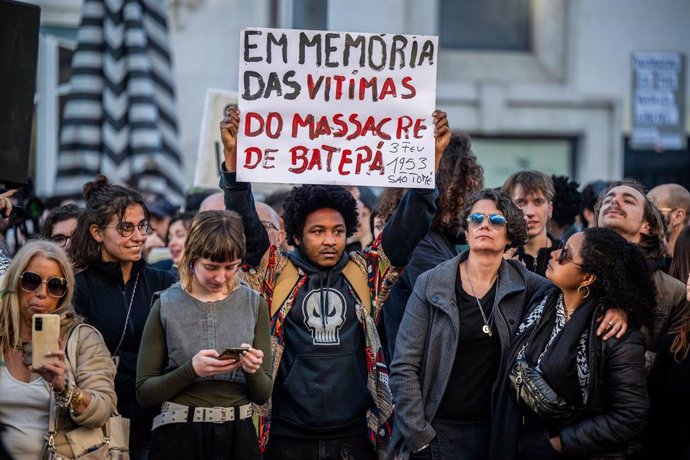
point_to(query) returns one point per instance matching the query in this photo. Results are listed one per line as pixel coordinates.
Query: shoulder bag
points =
(532, 390)
(109, 442)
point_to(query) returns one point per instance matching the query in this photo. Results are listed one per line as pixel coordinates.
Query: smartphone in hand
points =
(45, 333)
(232, 353)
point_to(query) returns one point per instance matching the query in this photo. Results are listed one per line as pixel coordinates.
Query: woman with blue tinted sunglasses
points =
(460, 317)
(458, 322)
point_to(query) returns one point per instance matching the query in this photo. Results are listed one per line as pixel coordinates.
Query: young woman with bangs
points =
(206, 395)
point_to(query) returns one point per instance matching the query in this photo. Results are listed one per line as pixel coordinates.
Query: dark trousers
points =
(348, 448)
(534, 444)
(460, 440)
(208, 441)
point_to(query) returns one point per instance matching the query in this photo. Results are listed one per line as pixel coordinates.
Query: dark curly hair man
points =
(306, 199)
(331, 387)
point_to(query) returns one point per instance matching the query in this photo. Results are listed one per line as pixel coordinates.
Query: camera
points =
(38, 324)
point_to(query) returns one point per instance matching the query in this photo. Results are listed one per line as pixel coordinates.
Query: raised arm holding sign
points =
(336, 296)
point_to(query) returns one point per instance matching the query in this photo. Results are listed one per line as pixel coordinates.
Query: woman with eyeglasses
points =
(115, 288)
(460, 318)
(40, 280)
(603, 384)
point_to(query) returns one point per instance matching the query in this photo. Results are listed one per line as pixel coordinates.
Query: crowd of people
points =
(529, 321)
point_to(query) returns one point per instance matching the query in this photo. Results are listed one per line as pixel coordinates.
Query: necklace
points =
(486, 328)
(25, 347)
(129, 311)
(568, 313)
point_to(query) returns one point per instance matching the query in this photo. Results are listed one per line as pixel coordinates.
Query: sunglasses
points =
(566, 257)
(477, 218)
(30, 282)
(126, 229)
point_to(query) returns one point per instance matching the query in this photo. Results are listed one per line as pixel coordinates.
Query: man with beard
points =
(673, 201)
(627, 210)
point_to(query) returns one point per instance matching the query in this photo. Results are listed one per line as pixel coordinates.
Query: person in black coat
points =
(115, 288)
(668, 430)
(604, 382)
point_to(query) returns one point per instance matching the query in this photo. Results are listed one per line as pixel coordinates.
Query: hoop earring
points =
(585, 287)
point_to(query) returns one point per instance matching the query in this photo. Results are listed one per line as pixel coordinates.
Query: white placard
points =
(658, 100)
(210, 150)
(336, 108)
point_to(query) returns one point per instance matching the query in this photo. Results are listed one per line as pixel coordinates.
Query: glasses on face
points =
(477, 218)
(268, 225)
(30, 282)
(667, 209)
(60, 239)
(126, 229)
(566, 256)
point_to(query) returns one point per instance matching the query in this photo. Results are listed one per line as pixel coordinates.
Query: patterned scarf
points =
(559, 324)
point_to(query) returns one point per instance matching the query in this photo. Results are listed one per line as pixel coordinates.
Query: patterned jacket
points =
(264, 264)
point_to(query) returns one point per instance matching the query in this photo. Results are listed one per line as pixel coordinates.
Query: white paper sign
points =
(658, 101)
(210, 150)
(336, 108)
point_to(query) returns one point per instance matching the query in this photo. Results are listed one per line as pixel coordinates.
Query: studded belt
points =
(178, 413)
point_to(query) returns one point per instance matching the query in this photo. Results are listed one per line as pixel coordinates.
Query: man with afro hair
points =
(330, 392)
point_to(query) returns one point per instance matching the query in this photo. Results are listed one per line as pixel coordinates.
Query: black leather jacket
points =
(616, 410)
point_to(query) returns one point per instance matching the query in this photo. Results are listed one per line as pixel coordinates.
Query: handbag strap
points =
(71, 351)
(52, 417)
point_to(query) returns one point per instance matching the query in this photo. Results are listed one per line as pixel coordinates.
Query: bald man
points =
(213, 202)
(271, 222)
(673, 201)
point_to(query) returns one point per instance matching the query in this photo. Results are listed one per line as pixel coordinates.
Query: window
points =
(502, 156)
(493, 25)
(310, 14)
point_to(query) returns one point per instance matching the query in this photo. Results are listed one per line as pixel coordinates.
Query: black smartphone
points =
(232, 353)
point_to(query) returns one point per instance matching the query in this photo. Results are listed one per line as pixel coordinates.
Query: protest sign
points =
(210, 150)
(336, 108)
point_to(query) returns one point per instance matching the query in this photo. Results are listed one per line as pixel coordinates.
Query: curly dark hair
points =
(305, 199)
(103, 201)
(566, 200)
(388, 202)
(57, 215)
(653, 244)
(623, 276)
(516, 225)
(459, 176)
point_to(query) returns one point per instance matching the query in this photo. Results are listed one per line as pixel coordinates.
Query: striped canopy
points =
(120, 117)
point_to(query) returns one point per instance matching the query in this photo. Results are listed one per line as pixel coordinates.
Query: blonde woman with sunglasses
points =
(40, 280)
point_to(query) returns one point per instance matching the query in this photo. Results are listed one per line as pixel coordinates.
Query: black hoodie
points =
(321, 386)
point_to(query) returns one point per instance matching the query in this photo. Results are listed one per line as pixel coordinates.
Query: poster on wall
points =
(336, 108)
(658, 101)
